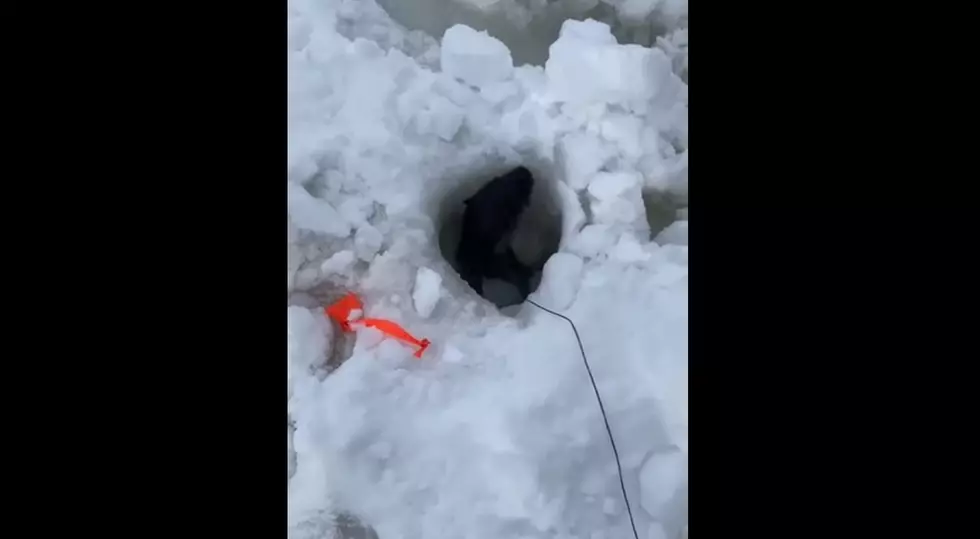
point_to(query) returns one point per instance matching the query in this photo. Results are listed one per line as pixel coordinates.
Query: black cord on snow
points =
(619, 466)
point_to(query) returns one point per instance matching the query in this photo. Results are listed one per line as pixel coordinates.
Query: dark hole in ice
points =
(534, 239)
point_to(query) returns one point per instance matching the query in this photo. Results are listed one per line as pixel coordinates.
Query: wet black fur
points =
(489, 218)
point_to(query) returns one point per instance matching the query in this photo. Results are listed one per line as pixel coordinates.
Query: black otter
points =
(489, 218)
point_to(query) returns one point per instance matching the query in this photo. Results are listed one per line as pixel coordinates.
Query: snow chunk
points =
(561, 279)
(661, 478)
(500, 91)
(625, 132)
(441, 117)
(428, 289)
(607, 186)
(581, 155)
(592, 240)
(617, 197)
(573, 215)
(367, 242)
(629, 250)
(585, 65)
(477, 58)
(338, 264)
(306, 277)
(588, 32)
(309, 213)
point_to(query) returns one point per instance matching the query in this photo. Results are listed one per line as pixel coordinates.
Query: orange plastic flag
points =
(392, 329)
(342, 309)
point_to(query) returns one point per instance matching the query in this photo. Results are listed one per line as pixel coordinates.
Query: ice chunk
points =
(624, 131)
(607, 186)
(560, 281)
(581, 155)
(661, 478)
(446, 124)
(306, 277)
(355, 209)
(367, 242)
(589, 31)
(500, 91)
(573, 215)
(313, 214)
(592, 240)
(616, 198)
(442, 117)
(477, 58)
(339, 264)
(629, 250)
(586, 65)
(428, 288)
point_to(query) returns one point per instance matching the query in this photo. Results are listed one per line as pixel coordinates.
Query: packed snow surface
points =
(495, 432)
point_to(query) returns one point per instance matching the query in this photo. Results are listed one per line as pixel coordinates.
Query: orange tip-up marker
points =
(342, 310)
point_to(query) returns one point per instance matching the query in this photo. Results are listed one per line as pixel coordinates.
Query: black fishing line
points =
(619, 466)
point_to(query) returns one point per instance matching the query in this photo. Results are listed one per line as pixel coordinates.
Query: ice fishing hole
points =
(535, 238)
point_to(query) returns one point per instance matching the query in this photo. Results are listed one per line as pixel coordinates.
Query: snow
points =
(475, 57)
(367, 242)
(428, 288)
(338, 263)
(562, 275)
(495, 431)
(309, 213)
(586, 65)
(582, 155)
